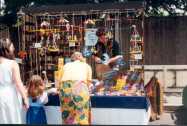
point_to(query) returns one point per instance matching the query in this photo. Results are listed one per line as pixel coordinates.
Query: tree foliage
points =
(13, 6)
(172, 7)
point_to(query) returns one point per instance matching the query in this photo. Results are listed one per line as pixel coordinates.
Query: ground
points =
(174, 111)
(174, 116)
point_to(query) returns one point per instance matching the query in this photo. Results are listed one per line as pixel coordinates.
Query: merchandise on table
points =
(130, 84)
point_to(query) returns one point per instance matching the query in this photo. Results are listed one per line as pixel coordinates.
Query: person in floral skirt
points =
(74, 93)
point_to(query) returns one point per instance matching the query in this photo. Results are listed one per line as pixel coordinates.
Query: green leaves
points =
(166, 7)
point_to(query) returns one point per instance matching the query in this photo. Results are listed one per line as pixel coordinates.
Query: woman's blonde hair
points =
(35, 86)
(77, 56)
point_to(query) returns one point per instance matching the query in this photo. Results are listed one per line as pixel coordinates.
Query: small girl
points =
(37, 98)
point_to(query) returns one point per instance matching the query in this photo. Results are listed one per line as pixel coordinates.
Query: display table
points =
(111, 110)
(120, 110)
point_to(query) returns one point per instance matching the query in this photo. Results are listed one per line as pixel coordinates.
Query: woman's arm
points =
(18, 83)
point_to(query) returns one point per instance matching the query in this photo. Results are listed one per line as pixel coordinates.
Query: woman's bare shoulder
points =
(14, 64)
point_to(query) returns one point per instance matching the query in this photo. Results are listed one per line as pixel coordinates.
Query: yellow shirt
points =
(77, 70)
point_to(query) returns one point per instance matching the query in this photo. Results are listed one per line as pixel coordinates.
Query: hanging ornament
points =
(89, 21)
(102, 16)
(68, 27)
(63, 20)
(58, 36)
(45, 24)
(22, 54)
(108, 18)
(41, 51)
(72, 38)
(135, 35)
(109, 35)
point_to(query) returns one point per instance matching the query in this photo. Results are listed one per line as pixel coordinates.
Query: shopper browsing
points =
(10, 86)
(37, 98)
(75, 98)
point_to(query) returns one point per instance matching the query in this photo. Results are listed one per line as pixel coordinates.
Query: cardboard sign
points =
(138, 56)
(90, 37)
(37, 45)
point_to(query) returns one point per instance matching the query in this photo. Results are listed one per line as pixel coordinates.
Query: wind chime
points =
(110, 22)
(44, 30)
(49, 35)
(72, 38)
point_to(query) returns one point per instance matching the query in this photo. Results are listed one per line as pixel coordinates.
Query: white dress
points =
(10, 105)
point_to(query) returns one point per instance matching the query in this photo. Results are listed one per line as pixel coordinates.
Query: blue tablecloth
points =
(130, 102)
(53, 100)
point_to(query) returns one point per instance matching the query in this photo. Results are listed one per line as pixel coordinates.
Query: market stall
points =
(109, 110)
(112, 105)
(49, 35)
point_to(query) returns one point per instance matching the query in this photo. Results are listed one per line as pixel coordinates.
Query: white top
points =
(10, 102)
(6, 73)
(42, 99)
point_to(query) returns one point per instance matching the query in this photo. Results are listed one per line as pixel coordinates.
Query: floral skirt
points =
(75, 102)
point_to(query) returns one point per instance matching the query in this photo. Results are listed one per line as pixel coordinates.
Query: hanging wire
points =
(119, 30)
(81, 33)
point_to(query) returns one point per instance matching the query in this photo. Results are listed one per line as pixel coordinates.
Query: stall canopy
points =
(130, 5)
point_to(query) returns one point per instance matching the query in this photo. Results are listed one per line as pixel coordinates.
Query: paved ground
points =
(164, 120)
(177, 116)
(174, 112)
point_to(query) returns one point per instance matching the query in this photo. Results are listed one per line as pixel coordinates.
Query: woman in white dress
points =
(10, 85)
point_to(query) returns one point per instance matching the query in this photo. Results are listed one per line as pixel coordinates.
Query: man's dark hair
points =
(100, 32)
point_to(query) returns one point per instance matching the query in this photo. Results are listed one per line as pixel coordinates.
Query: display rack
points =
(49, 33)
(136, 50)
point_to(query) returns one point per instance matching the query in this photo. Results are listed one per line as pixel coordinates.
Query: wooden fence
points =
(165, 41)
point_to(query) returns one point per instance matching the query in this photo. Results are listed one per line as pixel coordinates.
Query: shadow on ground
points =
(180, 116)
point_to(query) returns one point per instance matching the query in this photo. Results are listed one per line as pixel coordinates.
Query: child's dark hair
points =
(35, 86)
